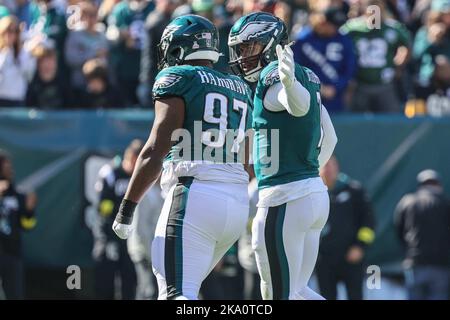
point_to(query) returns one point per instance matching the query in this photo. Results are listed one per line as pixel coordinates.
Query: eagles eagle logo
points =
(271, 77)
(166, 81)
(169, 31)
(255, 29)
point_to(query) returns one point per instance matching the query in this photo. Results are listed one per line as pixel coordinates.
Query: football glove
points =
(286, 65)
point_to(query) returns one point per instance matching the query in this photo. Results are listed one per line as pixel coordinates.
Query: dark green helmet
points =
(252, 43)
(188, 37)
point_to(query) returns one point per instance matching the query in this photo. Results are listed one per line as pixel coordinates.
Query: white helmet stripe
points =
(203, 55)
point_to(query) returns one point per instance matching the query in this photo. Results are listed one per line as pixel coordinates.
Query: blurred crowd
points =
(371, 55)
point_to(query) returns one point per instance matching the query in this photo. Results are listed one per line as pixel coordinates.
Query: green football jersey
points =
(298, 139)
(376, 48)
(218, 110)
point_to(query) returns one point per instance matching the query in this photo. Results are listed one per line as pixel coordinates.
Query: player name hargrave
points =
(231, 84)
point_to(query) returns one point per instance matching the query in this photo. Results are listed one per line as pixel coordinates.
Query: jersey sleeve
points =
(172, 82)
(269, 76)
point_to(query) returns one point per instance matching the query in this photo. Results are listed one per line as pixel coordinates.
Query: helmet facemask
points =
(168, 56)
(247, 59)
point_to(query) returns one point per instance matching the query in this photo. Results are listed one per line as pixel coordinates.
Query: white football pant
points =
(199, 222)
(286, 243)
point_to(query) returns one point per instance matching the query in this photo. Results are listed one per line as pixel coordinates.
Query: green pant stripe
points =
(284, 266)
(278, 264)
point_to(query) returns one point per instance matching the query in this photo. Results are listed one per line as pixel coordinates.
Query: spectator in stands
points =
(48, 90)
(126, 32)
(235, 9)
(431, 40)
(382, 52)
(155, 24)
(283, 10)
(16, 215)
(328, 53)
(100, 92)
(216, 14)
(346, 236)
(399, 9)
(111, 253)
(17, 64)
(422, 220)
(83, 43)
(417, 17)
(23, 10)
(433, 99)
(49, 19)
(258, 5)
(4, 11)
(182, 9)
(105, 9)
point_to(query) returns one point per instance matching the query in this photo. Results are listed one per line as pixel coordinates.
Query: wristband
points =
(126, 211)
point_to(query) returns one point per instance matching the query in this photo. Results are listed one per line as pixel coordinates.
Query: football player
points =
(198, 134)
(288, 116)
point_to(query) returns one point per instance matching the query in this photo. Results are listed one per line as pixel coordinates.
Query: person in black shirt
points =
(345, 237)
(110, 252)
(422, 220)
(16, 215)
(48, 90)
(99, 92)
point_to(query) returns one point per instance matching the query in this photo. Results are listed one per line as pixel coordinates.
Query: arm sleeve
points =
(295, 100)
(329, 137)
